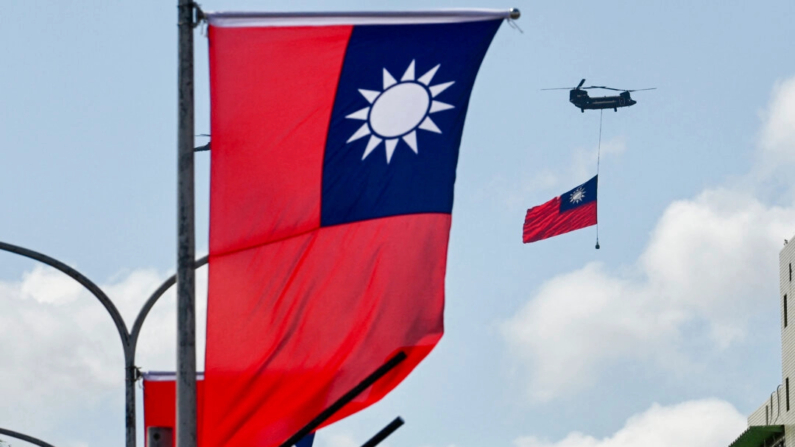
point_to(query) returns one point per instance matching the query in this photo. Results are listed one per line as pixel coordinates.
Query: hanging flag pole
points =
(186, 308)
(345, 399)
(384, 433)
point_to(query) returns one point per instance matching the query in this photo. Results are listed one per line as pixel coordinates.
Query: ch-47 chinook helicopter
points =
(579, 97)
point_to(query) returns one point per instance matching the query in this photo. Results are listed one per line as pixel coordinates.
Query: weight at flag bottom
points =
(335, 140)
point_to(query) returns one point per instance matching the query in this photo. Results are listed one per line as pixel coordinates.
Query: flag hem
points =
(281, 19)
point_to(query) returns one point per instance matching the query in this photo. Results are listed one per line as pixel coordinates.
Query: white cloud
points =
(708, 262)
(43, 287)
(61, 352)
(326, 439)
(778, 133)
(583, 163)
(714, 254)
(771, 174)
(518, 193)
(514, 194)
(699, 423)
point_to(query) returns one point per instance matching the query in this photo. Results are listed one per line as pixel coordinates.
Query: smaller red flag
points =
(568, 212)
(160, 398)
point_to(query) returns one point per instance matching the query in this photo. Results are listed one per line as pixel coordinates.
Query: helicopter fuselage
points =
(581, 100)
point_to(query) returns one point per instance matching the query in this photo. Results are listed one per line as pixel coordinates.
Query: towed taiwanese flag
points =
(571, 211)
(334, 148)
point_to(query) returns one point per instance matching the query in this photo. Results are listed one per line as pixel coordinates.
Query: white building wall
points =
(771, 412)
(786, 264)
(779, 407)
(760, 416)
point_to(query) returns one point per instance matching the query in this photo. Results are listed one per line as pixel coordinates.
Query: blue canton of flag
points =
(579, 196)
(397, 120)
(306, 441)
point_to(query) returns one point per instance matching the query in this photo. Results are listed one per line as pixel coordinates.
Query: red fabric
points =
(271, 91)
(304, 320)
(545, 221)
(160, 400)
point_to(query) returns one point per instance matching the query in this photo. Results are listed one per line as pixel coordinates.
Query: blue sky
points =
(674, 320)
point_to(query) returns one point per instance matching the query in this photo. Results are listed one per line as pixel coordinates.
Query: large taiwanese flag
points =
(334, 149)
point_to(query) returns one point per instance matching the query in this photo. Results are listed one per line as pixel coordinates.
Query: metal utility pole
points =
(186, 308)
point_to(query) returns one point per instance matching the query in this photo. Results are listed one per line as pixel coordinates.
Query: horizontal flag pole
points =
(248, 19)
(384, 433)
(165, 376)
(345, 399)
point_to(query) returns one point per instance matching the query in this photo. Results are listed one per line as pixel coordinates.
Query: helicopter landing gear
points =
(615, 109)
(582, 110)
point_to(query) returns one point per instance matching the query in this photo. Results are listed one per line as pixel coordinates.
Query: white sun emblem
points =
(399, 110)
(577, 196)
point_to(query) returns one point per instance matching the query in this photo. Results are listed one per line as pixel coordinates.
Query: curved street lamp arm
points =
(25, 438)
(80, 278)
(139, 320)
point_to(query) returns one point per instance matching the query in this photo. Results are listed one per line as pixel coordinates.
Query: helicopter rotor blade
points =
(603, 87)
(619, 89)
(580, 87)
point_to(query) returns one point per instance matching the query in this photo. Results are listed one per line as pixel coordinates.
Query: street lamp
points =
(129, 339)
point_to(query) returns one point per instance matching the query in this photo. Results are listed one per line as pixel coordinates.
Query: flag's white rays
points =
(399, 110)
(362, 132)
(411, 139)
(390, 148)
(428, 124)
(389, 81)
(426, 78)
(437, 106)
(369, 95)
(360, 114)
(372, 144)
(436, 89)
(409, 74)
(577, 196)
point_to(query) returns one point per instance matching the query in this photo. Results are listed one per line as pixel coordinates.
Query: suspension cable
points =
(598, 159)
